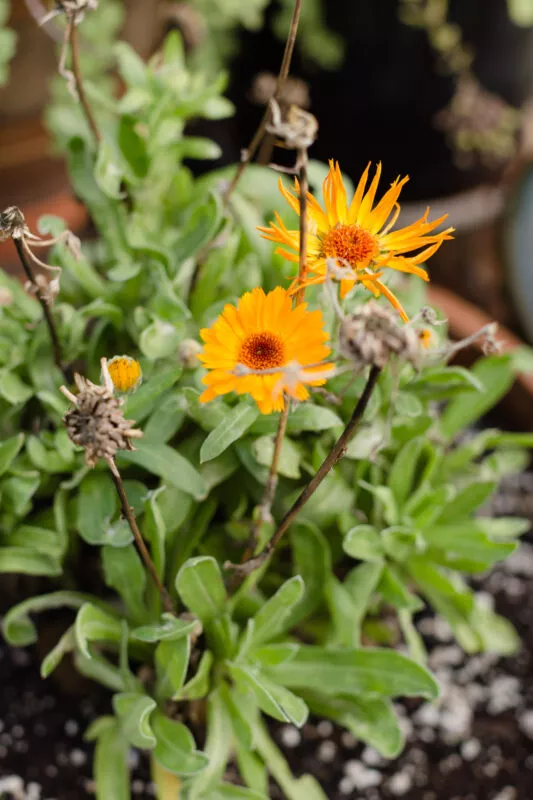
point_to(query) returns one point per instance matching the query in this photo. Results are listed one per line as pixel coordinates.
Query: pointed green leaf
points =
(133, 711)
(176, 749)
(235, 424)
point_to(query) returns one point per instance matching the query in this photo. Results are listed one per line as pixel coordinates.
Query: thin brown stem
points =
(127, 510)
(28, 269)
(75, 51)
(302, 263)
(270, 486)
(250, 152)
(337, 452)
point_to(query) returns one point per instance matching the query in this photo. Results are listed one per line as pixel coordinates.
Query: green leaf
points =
(159, 340)
(133, 711)
(272, 699)
(372, 720)
(450, 597)
(171, 663)
(354, 671)
(140, 404)
(124, 572)
(168, 464)
(199, 684)
(497, 634)
(42, 540)
(394, 590)
(93, 624)
(96, 505)
(9, 450)
(111, 772)
(304, 788)
(17, 627)
(361, 583)
(466, 501)
(312, 561)
(343, 614)
(289, 459)
(399, 542)
(13, 389)
(170, 628)
(207, 415)
(65, 645)
(308, 417)
(386, 499)
(176, 749)
(199, 229)
(363, 542)
(496, 375)
(269, 622)
(234, 425)
(437, 383)
(201, 588)
(200, 148)
(228, 791)
(503, 527)
(131, 66)
(108, 172)
(402, 471)
(469, 540)
(133, 147)
(28, 562)
(217, 747)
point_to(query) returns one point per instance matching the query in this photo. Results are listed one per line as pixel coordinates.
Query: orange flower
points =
(125, 373)
(358, 235)
(264, 332)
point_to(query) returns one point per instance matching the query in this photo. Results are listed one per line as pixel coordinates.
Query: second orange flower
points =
(358, 235)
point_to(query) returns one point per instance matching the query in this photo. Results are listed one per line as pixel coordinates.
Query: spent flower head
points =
(97, 422)
(371, 336)
(358, 234)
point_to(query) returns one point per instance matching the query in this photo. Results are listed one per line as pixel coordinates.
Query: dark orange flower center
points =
(350, 243)
(263, 350)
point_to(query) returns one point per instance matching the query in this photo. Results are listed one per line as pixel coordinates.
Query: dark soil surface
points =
(476, 743)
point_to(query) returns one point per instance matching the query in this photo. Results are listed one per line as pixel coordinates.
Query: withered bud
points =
(298, 128)
(371, 336)
(294, 92)
(46, 289)
(12, 224)
(188, 353)
(97, 422)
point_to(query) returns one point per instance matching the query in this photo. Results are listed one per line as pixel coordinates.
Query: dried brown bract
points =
(75, 9)
(297, 129)
(371, 336)
(294, 92)
(13, 226)
(97, 422)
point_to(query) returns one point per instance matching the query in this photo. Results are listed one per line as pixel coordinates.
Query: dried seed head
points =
(371, 336)
(97, 422)
(12, 224)
(297, 128)
(294, 92)
(188, 353)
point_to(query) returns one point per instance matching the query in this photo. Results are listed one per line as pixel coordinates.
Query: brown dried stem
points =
(76, 70)
(28, 269)
(335, 455)
(250, 152)
(128, 513)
